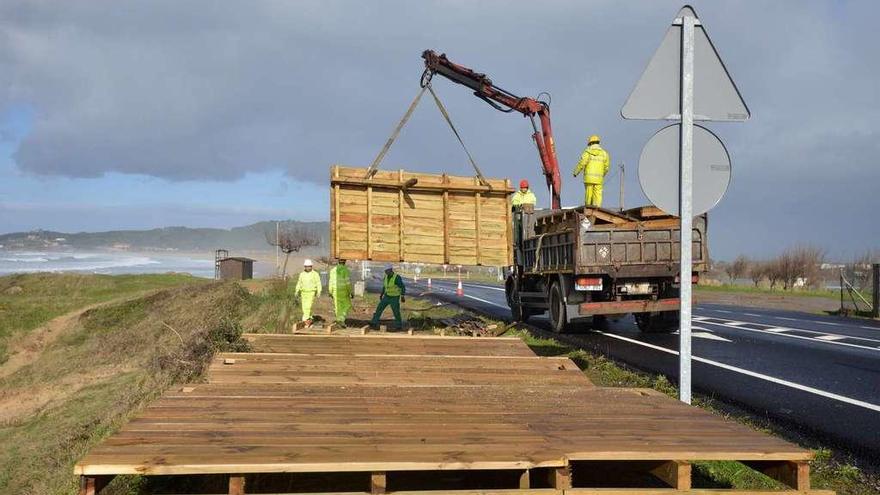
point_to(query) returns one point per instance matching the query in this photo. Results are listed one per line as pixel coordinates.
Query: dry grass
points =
(104, 365)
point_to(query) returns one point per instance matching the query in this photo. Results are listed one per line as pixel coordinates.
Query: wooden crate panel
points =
(436, 219)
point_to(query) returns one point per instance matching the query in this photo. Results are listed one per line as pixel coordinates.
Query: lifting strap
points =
(412, 106)
(454, 131)
(406, 116)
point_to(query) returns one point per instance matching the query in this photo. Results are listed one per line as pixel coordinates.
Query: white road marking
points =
(708, 336)
(721, 310)
(736, 323)
(869, 328)
(827, 323)
(777, 329)
(812, 339)
(753, 314)
(761, 376)
(785, 318)
(831, 337)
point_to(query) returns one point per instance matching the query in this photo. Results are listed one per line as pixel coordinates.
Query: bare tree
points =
(773, 272)
(800, 263)
(757, 271)
(291, 240)
(738, 268)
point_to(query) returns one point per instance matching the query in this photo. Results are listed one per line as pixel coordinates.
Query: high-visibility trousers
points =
(593, 194)
(394, 302)
(342, 304)
(307, 299)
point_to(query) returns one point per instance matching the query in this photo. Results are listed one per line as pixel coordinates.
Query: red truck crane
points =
(504, 101)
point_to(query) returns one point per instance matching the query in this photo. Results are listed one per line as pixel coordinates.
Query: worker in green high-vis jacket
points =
(393, 293)
(339, 287)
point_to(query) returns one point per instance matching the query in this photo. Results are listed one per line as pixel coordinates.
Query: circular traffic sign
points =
(659, 169)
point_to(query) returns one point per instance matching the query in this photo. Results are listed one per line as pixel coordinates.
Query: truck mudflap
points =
(633, 306)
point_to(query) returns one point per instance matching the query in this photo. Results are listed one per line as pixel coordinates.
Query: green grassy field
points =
(751, 289)
(30, 300)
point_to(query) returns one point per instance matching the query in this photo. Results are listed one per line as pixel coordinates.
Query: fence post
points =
(842, 311)
(875, 310)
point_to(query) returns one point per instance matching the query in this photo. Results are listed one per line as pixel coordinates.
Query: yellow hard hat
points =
(593, 139)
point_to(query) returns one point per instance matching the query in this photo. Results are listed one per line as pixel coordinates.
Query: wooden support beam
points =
(92, 485)
(477, 219)
(400, 228)
(676, 474)
(525, 481)
(794, 474)
(416, 186)
(378, 483)
(334, 238)
(509, 222)
(560, 478)
(369, 223)
(236, 485)
(445, 221)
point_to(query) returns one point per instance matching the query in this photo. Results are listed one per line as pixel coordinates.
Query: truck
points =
(583, 264)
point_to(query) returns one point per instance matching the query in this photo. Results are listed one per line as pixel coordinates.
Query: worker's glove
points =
(403, 299)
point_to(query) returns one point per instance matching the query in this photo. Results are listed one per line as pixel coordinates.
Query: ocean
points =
(105, 262)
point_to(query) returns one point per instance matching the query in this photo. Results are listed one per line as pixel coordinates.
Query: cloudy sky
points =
(118, 114)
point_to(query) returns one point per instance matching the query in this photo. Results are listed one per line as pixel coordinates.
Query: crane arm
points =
(504, 101)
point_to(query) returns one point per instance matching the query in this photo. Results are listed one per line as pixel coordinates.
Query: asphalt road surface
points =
(818, 374)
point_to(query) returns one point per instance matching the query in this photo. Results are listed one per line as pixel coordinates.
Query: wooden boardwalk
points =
(400, 413)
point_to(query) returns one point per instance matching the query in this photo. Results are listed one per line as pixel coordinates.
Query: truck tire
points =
(661, 322)
(558, 317)
(516, 310)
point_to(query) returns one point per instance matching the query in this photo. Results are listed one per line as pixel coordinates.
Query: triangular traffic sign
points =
(657, 95)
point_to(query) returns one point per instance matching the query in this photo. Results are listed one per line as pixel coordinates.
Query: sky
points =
(127, 115)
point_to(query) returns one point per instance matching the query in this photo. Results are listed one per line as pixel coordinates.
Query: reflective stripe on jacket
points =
(594, 163)
(390, 285)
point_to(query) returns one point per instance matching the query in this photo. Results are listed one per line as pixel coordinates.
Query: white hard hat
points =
(389, 267)
(307, 262)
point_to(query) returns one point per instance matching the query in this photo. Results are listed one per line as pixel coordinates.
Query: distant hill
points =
(249, 237)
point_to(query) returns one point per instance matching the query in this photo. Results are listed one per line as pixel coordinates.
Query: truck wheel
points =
(558, 320)
(662, 322)
(516, 310)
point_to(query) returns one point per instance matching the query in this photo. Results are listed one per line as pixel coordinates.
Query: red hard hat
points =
(523, 184)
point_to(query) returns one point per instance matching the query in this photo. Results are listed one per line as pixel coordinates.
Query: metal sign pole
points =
(685, 206)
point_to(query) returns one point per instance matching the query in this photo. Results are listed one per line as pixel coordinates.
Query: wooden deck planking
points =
(391, 403)
(385, 345)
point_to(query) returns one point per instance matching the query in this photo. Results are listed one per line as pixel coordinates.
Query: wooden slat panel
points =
(464, 218)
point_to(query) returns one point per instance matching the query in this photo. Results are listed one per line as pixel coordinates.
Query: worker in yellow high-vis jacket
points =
(524, 196)
(308, 288)
(594, 163)
(339, 287)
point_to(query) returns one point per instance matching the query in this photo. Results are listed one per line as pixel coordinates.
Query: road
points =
(817, 374)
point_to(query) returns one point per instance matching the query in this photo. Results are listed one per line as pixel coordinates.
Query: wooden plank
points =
(560, 477)
(676, 474)
(445, 222)
(477, 221)
(378, 483)
(795, 475)
(525, 480)
(400, 224)
(236, 485)
(92, 485)
(369, 223)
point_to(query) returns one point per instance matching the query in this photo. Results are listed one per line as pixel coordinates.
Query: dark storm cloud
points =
(193, 90)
